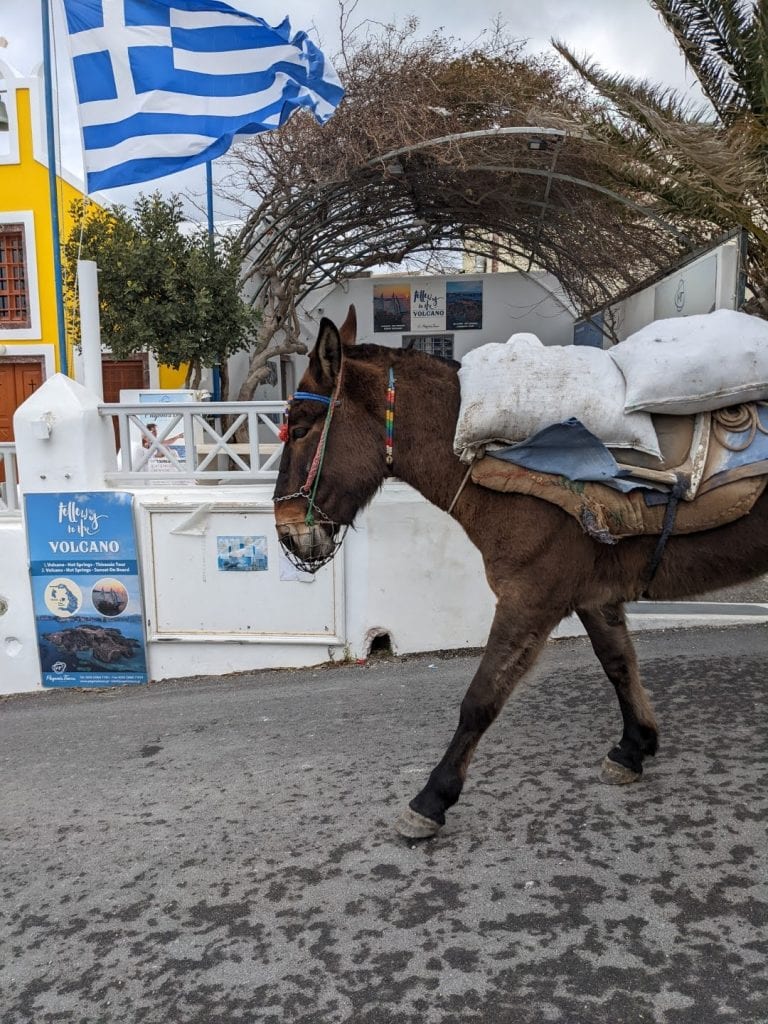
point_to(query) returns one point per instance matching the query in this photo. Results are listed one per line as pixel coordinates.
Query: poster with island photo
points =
(464, 305)
(86, 589)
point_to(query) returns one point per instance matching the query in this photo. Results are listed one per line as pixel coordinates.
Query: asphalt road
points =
(222, 852)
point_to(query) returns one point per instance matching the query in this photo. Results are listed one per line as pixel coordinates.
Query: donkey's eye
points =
(298, 432)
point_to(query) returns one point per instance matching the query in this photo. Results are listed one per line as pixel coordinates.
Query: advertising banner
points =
(85, 588)
(392, 307)
(691, 290)
(464, 305)
(428, 306)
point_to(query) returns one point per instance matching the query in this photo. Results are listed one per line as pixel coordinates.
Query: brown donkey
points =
(340, 448)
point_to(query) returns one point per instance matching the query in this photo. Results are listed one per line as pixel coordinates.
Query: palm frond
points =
(626, 93)
(723, 43)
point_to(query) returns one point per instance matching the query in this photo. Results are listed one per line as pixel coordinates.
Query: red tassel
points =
(283, 432)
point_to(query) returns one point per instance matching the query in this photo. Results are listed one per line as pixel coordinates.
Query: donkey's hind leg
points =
(607, 630)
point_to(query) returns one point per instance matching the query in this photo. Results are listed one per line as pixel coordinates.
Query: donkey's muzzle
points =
(308, 537)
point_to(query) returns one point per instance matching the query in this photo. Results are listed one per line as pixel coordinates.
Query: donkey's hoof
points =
(615, 774)
(413, 825)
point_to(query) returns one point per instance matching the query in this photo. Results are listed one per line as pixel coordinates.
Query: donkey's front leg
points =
(608, 633)
(513, 645)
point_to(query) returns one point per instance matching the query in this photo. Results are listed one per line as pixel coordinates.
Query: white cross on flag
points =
(166, 84)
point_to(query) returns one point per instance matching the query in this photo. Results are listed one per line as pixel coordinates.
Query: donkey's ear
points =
(325, 358)
(348, 330)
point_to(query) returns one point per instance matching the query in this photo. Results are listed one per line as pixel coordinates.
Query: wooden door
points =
(121, 375)
(18, 380)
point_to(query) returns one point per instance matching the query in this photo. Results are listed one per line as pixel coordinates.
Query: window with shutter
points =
(14, 295)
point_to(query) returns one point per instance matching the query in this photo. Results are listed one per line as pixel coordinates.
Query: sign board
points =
(85, 588)
(392, 306)
(589, 332)
(693, 289)
(464, 305)
(428, 306)
(169, 428)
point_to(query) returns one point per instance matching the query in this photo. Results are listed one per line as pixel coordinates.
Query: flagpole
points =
(215, 371)
(52, 184)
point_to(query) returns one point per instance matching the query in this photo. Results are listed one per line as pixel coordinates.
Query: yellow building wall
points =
(170, 378)
(24, 186)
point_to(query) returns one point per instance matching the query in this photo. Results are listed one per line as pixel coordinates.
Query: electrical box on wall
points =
(220, 574)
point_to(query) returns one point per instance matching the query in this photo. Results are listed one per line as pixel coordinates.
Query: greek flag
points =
(166, 84)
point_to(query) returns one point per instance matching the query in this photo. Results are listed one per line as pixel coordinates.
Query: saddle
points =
(715, 464)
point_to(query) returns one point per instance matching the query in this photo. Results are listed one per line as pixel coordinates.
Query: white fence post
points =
(62, 443)
(90, 327)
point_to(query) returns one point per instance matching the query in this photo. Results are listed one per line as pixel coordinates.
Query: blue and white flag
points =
(166, 84)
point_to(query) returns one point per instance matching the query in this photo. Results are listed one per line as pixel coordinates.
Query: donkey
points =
(366, 413)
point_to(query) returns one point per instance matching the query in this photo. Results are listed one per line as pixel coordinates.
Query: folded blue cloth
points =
(570, 450)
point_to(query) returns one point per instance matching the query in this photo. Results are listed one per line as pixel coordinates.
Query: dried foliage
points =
(434, 152)
(703, 168)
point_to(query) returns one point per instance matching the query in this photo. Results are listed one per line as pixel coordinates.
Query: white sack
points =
(693, 363)
(509, 391)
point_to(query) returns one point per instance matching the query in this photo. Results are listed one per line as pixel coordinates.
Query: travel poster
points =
(464, 305)
(392, 307)
(85, 588)
(173, 438)
(428, 306)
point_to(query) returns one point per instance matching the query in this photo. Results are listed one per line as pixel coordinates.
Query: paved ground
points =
(222, 852)
(756, 590)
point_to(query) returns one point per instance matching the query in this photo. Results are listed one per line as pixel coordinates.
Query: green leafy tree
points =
(702, 165)
(161, 290)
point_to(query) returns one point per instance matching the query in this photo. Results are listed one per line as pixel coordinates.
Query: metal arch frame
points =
(333, 190)
(528, 130)
(480, 133)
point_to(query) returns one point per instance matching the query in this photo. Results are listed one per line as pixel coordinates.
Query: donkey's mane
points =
(370, 351)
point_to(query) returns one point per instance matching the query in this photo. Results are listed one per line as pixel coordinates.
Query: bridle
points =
(308, 489)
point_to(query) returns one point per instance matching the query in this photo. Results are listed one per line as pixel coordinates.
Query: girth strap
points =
(667, 526)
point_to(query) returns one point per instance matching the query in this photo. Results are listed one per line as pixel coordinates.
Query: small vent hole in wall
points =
(380, 645)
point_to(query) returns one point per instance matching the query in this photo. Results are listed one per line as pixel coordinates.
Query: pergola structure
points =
(534, 196)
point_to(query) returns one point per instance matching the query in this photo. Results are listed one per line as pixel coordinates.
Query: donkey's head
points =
(333, 460)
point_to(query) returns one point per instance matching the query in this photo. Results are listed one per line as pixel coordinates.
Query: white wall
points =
(412, 573)
(19, 666)
(512, 302)
(701, 286)
(407, 570)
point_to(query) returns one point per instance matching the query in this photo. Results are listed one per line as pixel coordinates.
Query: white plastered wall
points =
(701, 286)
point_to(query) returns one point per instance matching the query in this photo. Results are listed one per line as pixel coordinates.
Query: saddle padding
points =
(610, 515)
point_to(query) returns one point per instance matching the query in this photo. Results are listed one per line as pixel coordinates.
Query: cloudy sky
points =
(625, 36)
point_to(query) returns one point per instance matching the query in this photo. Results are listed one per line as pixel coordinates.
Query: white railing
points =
(9, 481)
(209, 442)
